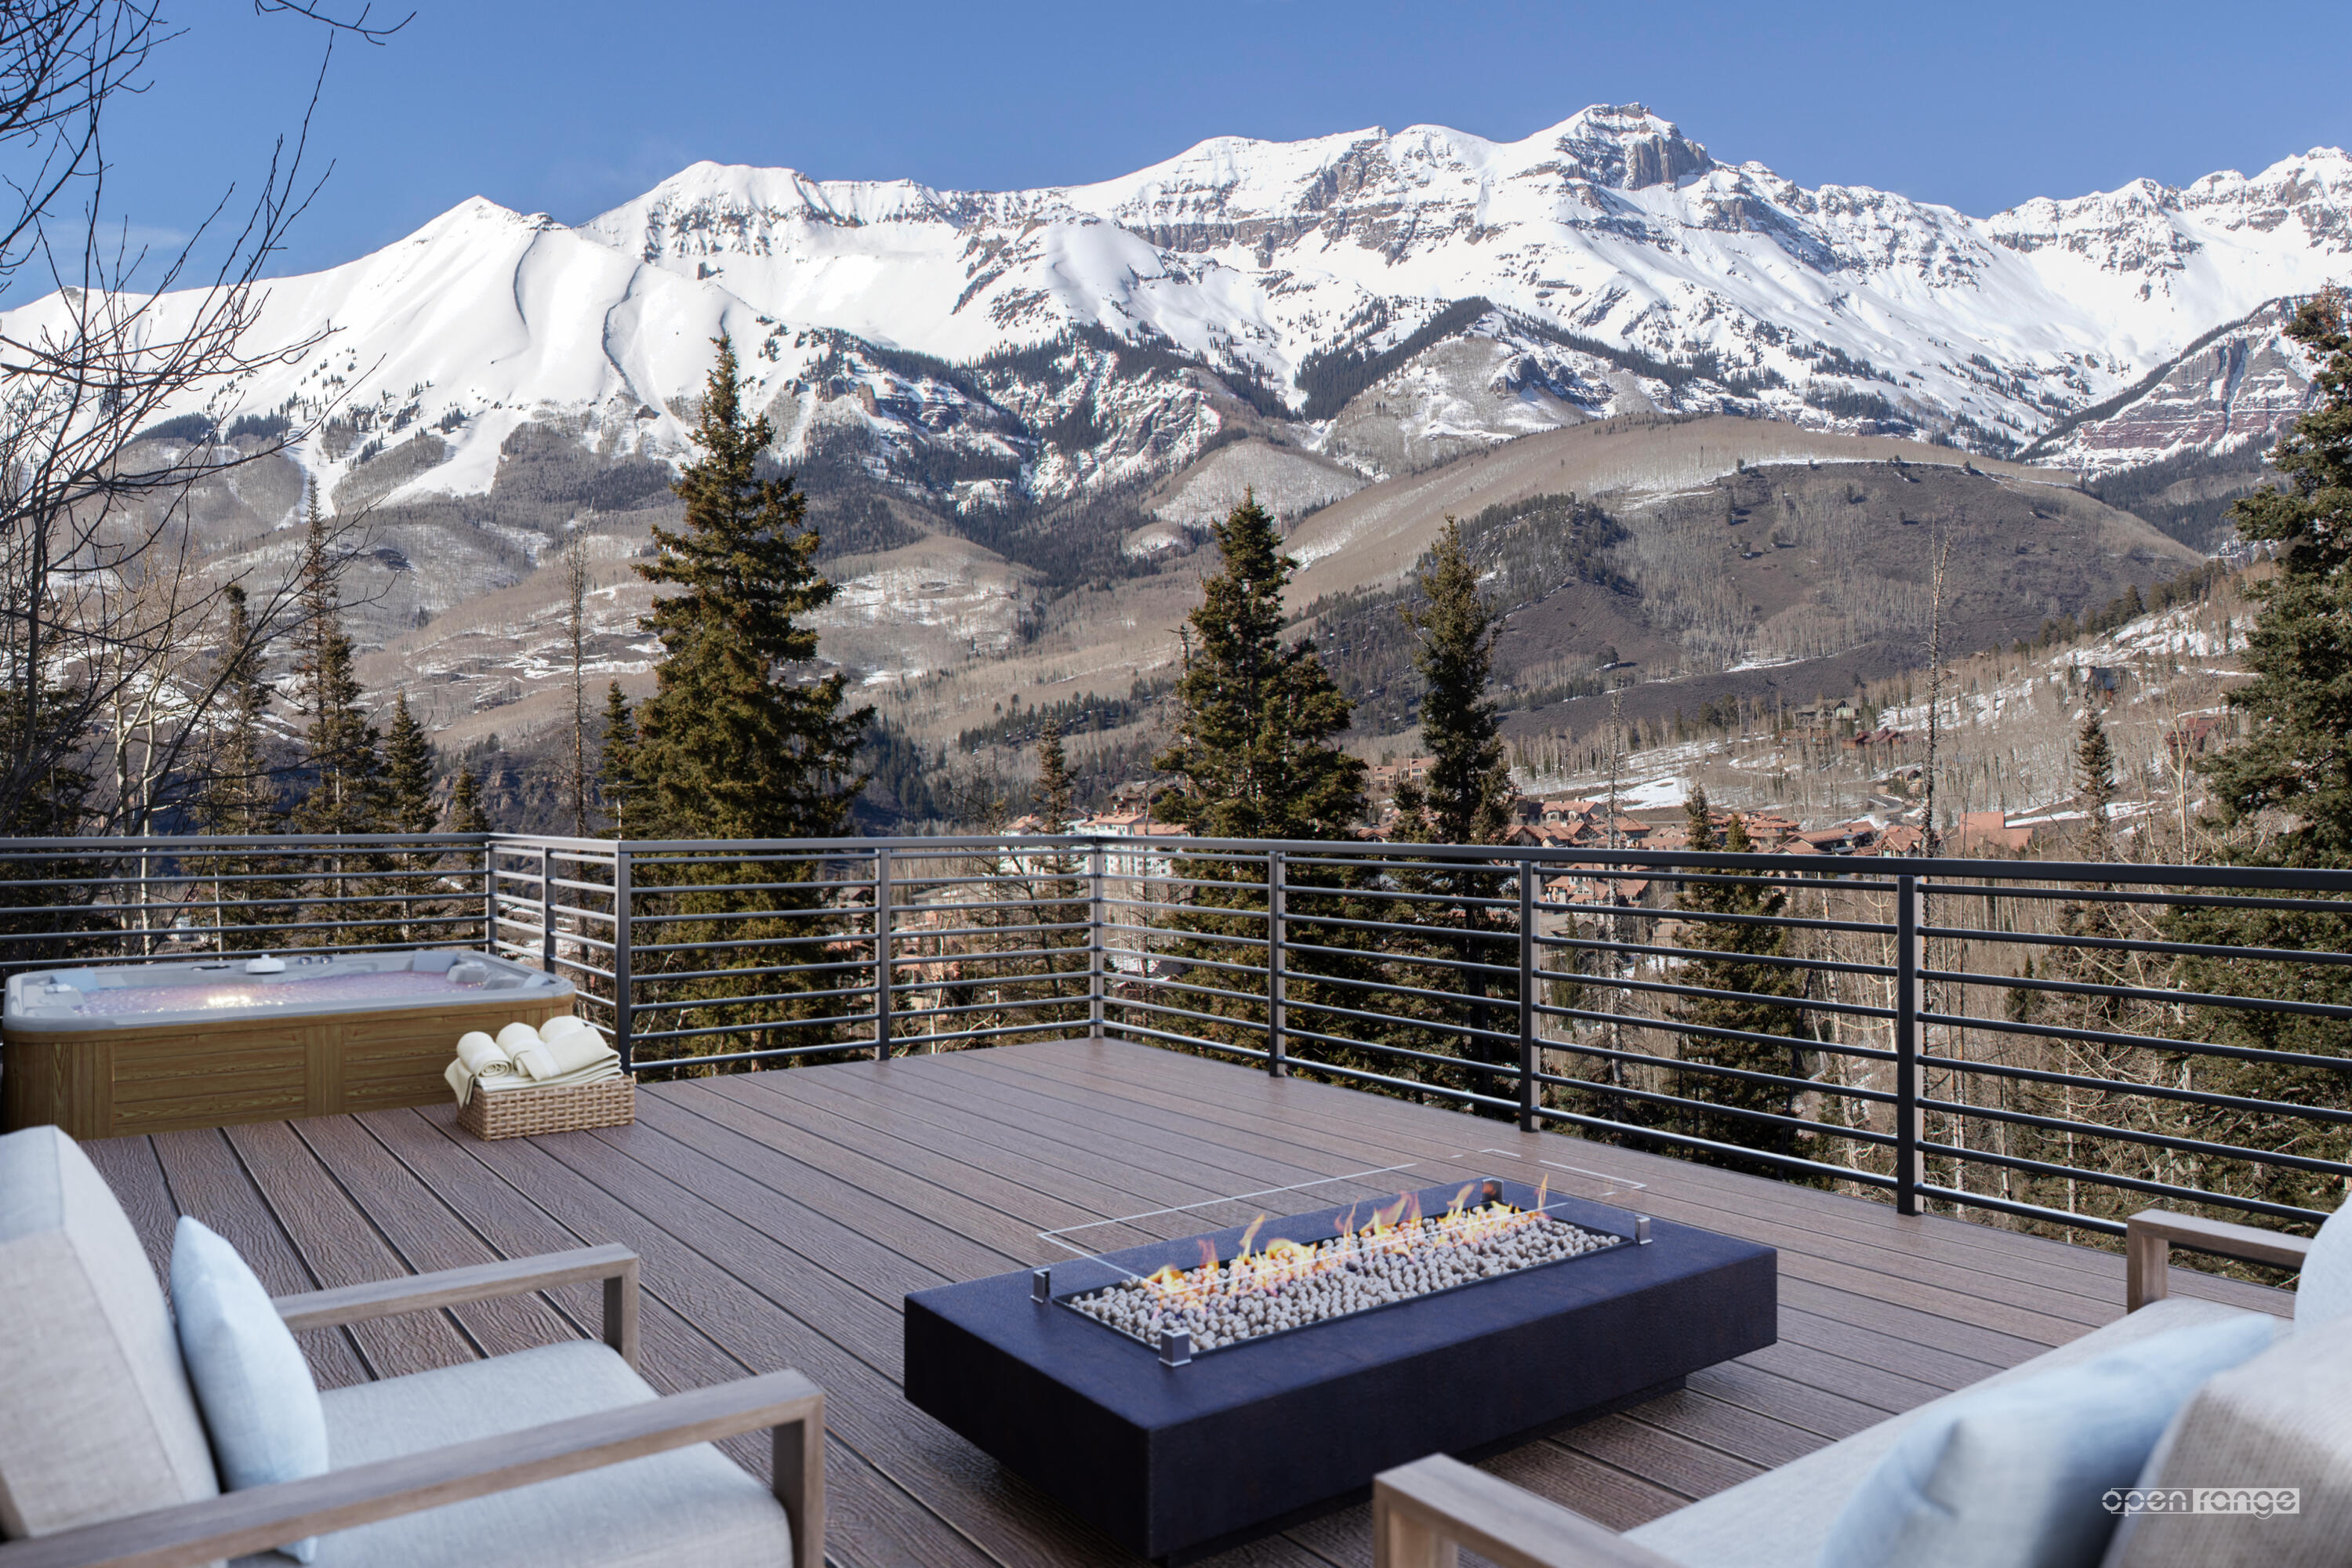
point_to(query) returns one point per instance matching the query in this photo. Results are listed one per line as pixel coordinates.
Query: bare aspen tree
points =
(1941, 560)
(98, 597)
(575, 631)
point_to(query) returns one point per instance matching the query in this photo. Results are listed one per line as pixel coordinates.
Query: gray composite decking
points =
(782, 1215)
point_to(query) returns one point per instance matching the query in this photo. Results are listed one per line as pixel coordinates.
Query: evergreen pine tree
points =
(339, 743)
(617, 767)
(2095, 777)
(465, 811)
(1723, 1025)
(1255, 718)
(239, 797)
(2293, 777)
(2298, 759)
(1054, 797)
(407, 772)
(1466, 798)
(733, 744)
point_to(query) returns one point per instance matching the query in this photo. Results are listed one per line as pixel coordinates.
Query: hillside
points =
(1016, 413)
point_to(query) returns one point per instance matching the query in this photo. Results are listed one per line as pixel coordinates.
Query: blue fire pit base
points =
(1178, 1462)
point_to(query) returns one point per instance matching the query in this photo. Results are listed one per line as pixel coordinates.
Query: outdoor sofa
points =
(2281, 1419)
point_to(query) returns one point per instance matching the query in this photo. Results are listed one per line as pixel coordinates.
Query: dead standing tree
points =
(101, 596)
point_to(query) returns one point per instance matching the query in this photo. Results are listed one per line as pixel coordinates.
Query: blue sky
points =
(572, 106)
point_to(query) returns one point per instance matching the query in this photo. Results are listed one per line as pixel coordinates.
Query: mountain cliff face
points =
(1381, 300)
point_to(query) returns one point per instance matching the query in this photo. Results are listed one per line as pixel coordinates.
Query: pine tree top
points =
(738, 741)
(1256, 716)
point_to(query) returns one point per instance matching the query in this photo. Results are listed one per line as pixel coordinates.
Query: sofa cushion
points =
(2015, 1477)
(260, 1404)
(100, 1423)
(2284, 1419)
(687, 1506)
(2324, 1290)
(1780, 1519)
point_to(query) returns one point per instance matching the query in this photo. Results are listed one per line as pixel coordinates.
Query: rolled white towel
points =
(515, 1036)
(483, 1056)
(536, 1063)
(460, 1080)
(565, 1025)
(574, 1051)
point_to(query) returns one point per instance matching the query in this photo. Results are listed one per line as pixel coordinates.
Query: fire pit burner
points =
(1396, 1255)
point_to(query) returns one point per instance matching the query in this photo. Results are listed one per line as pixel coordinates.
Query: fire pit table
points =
(1188, 1395)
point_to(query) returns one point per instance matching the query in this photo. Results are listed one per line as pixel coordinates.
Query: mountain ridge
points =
(1627, 266)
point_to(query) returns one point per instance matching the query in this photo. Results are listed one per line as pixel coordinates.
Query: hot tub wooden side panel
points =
(110, 1083)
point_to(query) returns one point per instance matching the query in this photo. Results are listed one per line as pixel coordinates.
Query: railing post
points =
(884, 963)
(547, 908)
(1528, 1087)
(1277, 999)
(623, 1011)
(489, 897)
(1908, 963)
(1097, 941)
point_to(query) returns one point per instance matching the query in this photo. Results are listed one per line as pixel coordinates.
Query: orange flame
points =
(1391, 1226)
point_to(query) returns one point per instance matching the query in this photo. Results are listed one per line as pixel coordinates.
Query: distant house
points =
(1983, 832)
(2194, 734)
(1856, 837)
(1902, 839)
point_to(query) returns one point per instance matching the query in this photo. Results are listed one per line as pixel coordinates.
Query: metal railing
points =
(2054, 1042)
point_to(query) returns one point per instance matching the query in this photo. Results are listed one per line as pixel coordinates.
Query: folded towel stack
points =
(561, 1050)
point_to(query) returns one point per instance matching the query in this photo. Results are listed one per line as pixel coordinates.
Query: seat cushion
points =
(2284, 1419)
(1782, 1518)
(95, 1418)
(2015, 1477)
(259, 1400)
(687, 1506)
(2324, 1290)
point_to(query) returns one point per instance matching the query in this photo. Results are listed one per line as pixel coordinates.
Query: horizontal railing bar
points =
(1690, 1141)
(2129, 1183)
(1130, 1026)
(1716, 1069)
(1810, 1004)
(2207, 1098)
(2023, 1211)
(2107, 1131)
(2138, 1042)
(2140, 944)
(2144, 994)
(1715, 955)
(1678, 1027)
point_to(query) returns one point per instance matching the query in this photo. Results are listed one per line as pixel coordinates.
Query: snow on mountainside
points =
(1379, 300)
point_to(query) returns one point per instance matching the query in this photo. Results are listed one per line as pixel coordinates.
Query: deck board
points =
(781, 1216)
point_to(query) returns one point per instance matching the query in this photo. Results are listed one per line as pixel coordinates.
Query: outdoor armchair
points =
(488, 1461)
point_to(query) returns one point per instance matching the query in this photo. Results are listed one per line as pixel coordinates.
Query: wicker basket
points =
(554, 1107)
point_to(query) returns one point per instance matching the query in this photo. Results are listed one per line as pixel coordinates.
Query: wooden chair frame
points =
(258, 1518)
(1425, 1512)
(2150, 1236)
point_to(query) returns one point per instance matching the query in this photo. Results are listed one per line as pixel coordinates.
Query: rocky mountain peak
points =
(1627, 148)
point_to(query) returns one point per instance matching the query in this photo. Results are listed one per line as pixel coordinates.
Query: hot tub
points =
(126, 1048)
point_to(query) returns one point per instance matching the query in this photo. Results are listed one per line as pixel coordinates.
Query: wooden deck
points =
(781, 1216)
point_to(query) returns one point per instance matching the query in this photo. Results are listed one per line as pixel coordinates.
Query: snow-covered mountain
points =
(1378, 298)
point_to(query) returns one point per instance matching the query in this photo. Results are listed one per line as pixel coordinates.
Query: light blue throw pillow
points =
(2324, 1290)
(2014, 1477)
(259, 1400)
